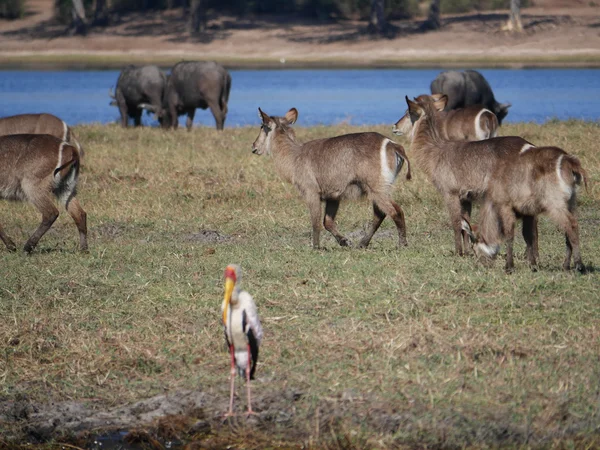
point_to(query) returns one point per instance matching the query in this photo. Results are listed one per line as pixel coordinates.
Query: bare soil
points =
(556, 32)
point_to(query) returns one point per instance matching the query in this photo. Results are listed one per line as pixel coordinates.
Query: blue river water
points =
(358, 97)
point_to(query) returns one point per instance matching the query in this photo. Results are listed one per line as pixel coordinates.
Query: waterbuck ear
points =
(264, 117)
(441, 102)
(291, 116)
(414, 109)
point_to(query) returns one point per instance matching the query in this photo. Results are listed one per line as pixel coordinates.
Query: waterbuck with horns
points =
(335, 169)
(540, 180)
(471, 123)
(39, 124)
(461, 170)
(34, 168)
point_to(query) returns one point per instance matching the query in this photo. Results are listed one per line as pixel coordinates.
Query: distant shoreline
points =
(114, 61)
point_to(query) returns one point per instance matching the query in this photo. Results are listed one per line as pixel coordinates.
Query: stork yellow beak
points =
(229, 285)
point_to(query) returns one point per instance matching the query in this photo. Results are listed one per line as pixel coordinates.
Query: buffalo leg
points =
(190, 119)
(331, 209)
(218, 114)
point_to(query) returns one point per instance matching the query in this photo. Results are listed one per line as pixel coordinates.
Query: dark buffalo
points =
(136, 87)
(468, 88)
(196, 84)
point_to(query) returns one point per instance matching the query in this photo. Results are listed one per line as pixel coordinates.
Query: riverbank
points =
(554, 36)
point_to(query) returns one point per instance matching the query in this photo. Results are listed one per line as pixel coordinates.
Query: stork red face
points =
(230, 273)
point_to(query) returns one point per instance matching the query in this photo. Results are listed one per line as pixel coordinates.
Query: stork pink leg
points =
(248, 382)
(230, 413)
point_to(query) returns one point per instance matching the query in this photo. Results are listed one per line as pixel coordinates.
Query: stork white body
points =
(243, 331)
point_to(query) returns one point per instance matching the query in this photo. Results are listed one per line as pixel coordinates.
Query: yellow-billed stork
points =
(243, 331)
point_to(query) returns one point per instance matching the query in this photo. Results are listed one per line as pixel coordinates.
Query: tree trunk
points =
(101, 13)
(514, 21)
(79, 23)
(377, 24)
(433, 21)
(197, 17)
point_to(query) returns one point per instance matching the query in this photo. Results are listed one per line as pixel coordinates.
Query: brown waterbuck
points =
(472, 123)
(39, 124)
(36, 168)
(540, 180)
(336, 169)
(461, 170)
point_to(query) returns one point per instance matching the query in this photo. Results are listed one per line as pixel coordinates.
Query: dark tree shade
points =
(433, 21)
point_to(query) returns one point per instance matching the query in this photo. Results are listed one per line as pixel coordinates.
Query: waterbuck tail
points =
(401, 157)
(579, 173)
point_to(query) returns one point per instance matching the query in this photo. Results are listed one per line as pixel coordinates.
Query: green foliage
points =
(12, 9)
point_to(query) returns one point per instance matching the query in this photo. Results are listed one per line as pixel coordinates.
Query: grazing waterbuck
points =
(540, 180)
(36, 168)
(39, 124)
(461, 170)
(471, 123)
(335, 169)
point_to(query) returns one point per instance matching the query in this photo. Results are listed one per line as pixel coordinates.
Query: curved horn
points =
(147, 106)
(111, 93)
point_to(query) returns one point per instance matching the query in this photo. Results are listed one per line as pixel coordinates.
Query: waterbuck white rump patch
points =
(60, 160)
(525, 148)
(387, 174)
(564, 186)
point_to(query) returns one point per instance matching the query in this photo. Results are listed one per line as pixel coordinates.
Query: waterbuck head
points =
(272, 127)
(484, 252)
(419, 109)
(405, 125)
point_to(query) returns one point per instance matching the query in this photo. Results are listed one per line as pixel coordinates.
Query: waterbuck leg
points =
(378, 216)
(10, 245)
(571, 229)
(466, 207)
(390, 208)
(454, 209)
(331, 209)
(190, 119)
(314, 208)
(49, 214)
(529, 234)
(508, 228)
(80, 217)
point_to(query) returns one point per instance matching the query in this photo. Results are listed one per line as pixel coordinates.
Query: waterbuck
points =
(471, 123)
(39, 124)
(540, 180)
(34, 168)
(336, 169)
(461, 170)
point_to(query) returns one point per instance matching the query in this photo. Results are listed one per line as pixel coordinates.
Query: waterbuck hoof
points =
(534, 267)
(28, 249)
(580, 268)
(11, 247)
(344, 242)
(509, 270)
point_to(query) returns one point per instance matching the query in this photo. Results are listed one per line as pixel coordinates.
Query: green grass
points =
(385, 347)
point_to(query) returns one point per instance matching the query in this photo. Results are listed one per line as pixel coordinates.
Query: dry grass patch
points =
(375, 348)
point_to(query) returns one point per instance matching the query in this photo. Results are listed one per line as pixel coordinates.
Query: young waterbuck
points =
(34, 168)
(39, 124)
(540, 180)
(336, 169)
(472, 123)
(461, 170)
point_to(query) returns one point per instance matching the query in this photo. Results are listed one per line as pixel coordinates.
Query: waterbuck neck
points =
(285, 149)
(428, 142)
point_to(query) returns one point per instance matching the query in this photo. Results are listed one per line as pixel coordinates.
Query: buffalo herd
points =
(190, 85)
